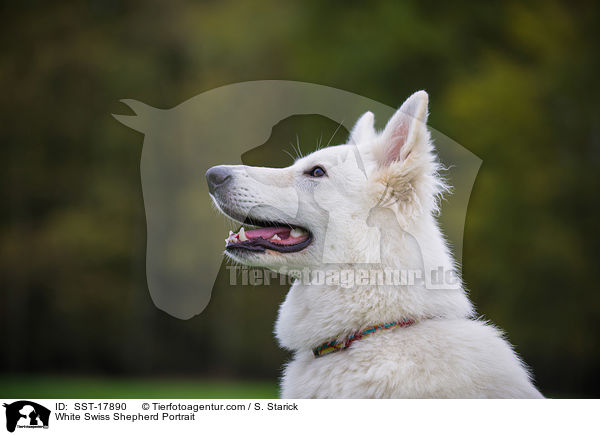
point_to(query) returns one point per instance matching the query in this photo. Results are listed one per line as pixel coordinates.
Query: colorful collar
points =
(335, 345)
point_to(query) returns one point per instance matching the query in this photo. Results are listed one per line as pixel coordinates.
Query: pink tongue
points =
(268, 232)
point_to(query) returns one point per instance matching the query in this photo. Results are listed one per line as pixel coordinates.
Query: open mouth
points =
(276, 237)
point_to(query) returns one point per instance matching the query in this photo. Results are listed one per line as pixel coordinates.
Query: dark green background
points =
(515, 84)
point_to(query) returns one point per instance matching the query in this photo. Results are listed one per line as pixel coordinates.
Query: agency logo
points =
(25, 414)
(185, 237)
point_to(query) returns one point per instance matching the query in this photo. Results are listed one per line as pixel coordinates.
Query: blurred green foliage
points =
(516, 84)
(61, 387)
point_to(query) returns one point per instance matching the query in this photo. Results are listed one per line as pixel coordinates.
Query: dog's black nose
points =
(217, 176)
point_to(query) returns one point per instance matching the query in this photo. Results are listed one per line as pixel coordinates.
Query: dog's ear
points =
(405, 130)
(364, 129)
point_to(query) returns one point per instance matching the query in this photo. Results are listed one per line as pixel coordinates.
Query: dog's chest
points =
(433, 359)
(371, 368)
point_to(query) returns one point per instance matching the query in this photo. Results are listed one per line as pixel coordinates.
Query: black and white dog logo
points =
(26, 414)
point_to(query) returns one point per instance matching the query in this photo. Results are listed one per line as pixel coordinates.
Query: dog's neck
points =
(314, 313)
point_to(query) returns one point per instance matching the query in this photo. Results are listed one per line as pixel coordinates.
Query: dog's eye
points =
(317, 171)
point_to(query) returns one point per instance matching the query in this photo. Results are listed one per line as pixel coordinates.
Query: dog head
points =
(321, 209)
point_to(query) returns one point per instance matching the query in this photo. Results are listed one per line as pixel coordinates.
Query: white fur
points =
(446, 353)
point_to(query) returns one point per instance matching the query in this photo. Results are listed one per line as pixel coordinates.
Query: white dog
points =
(369, 204)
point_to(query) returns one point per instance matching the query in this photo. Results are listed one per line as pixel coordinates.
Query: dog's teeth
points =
(232, 238)
(242, 235)
(275, 237)
(297, 232)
